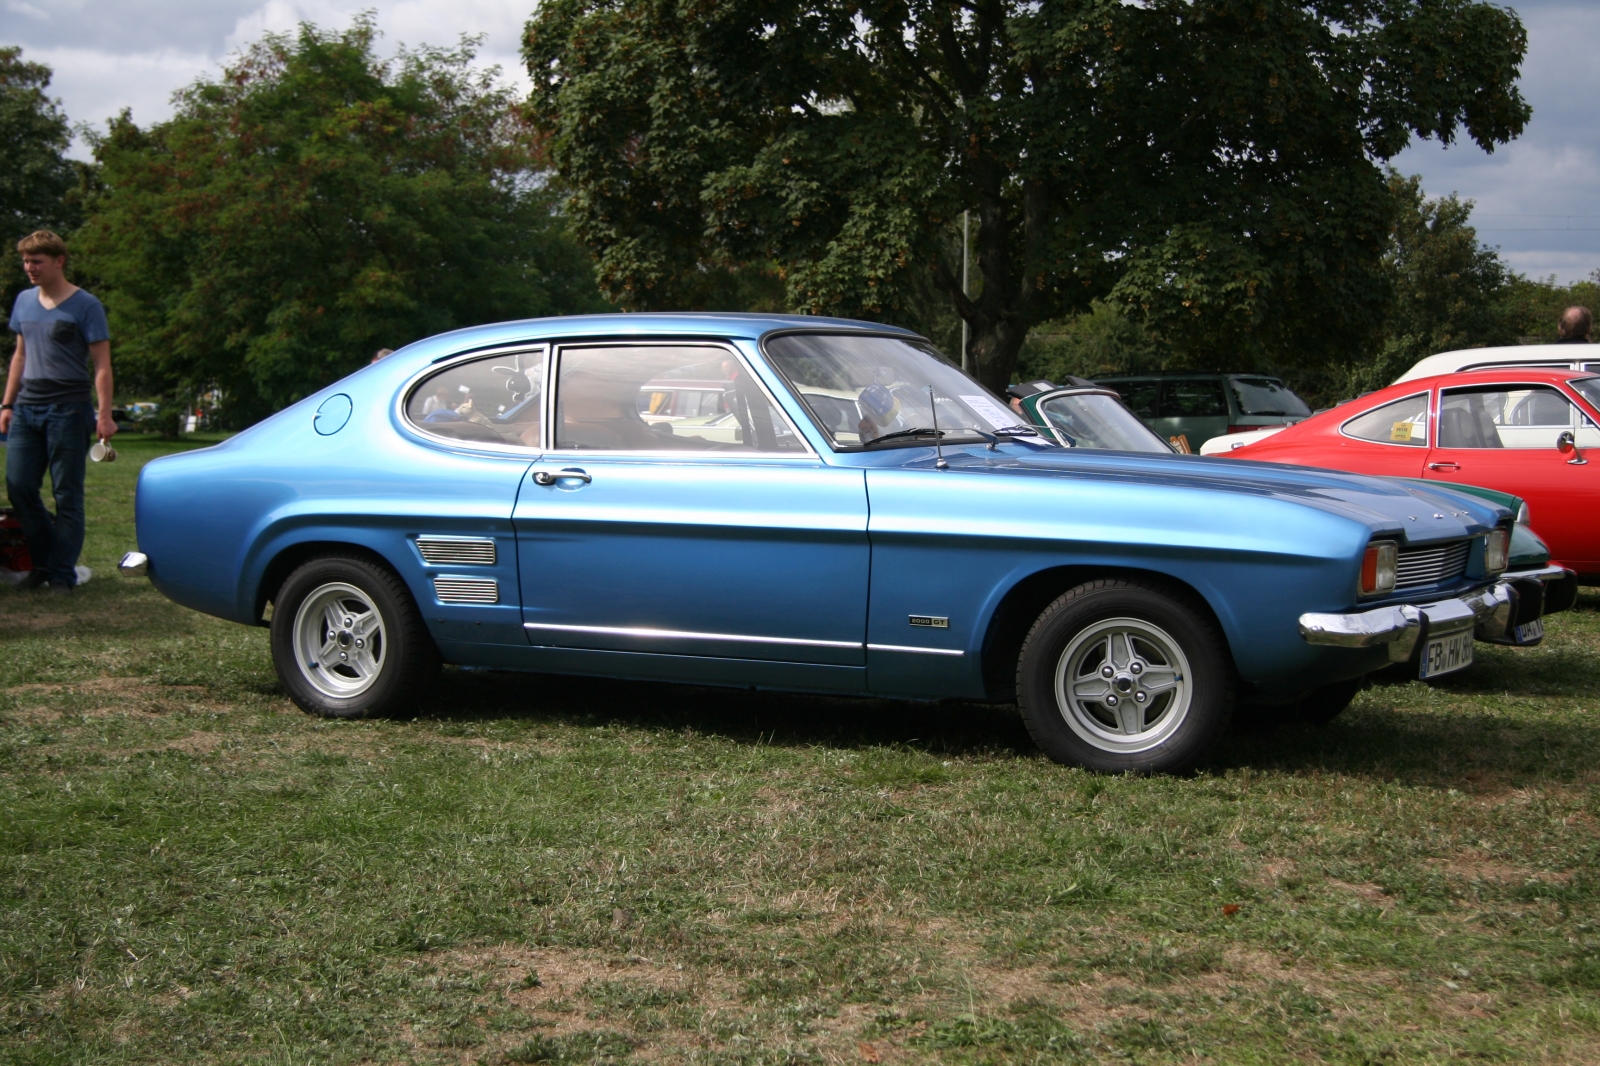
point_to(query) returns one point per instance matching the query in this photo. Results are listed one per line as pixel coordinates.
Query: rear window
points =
(1267, 396)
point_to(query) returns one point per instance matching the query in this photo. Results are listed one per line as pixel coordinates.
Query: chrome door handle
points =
(571, 473)
(1444, 466)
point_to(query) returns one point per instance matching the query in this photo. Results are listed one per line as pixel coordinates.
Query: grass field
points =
(565, 871)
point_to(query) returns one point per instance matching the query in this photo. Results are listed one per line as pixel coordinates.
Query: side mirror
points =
(1567, 445)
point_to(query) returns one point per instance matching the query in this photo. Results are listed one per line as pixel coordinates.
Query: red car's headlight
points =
(1378, 567)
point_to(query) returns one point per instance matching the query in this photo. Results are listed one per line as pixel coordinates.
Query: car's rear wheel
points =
(1125, 676)
(347, 640)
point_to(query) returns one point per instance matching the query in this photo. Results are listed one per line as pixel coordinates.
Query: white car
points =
(1557, 356)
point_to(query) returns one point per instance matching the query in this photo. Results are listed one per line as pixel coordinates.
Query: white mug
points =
(103, 452)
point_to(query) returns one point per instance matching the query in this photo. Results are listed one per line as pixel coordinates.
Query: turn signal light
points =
(1377, 567)
(1496, 550)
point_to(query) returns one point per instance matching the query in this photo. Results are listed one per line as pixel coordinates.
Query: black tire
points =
(1322, 705)
(1171, 637)
(378, 660)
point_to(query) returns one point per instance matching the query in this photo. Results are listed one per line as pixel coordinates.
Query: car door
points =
(712, 546)
(1503, 436)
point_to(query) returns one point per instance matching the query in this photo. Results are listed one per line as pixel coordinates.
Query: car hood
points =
(1413, 512)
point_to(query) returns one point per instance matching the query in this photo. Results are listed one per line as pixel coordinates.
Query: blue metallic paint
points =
(839, 547)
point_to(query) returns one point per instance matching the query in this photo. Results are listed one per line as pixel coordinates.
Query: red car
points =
(1520, 430)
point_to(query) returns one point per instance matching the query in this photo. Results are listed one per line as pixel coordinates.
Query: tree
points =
(1209, 164)
(36, 177)
(1450, 292)
(317, 203)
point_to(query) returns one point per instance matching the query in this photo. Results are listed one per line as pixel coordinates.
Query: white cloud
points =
(105, 58)
(1537, 198)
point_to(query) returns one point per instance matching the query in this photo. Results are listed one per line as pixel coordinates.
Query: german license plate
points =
(1531, 632)
(1447, 654)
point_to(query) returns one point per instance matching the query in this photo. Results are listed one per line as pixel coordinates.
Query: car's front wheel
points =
(1122, 676)
(347, 640)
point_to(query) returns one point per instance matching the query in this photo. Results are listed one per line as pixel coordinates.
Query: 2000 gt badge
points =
(761, 501)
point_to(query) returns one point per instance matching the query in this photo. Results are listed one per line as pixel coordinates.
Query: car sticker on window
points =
(1400, 431)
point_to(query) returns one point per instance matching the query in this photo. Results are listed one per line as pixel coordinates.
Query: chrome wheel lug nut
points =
(1139, 696)
(1106, 671)
(1111, 701)
(1136, 668)
(342, 656)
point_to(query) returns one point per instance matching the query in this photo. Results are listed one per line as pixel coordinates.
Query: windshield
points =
(1090, 420)
(1588, 388)
(860, 390)
(1267, 396)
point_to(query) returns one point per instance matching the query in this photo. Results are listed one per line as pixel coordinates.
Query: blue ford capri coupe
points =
(809, 504)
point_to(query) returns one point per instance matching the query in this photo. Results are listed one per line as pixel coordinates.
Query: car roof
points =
(1468, 358)
(701, 323)
(1165, 375)
(1497, 375)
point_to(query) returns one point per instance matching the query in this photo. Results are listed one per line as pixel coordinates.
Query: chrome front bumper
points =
(1488, 610)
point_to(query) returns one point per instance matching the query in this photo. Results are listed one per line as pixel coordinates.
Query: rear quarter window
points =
(1403, 422)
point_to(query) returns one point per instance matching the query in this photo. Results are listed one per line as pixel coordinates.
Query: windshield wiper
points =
(918, 431)
(1017, 431)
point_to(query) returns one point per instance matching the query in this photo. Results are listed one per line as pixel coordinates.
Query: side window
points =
(494, 400)
(1140, 396)
(667, 397)
(1193, 399)
(1504, 416)
(1399, 422)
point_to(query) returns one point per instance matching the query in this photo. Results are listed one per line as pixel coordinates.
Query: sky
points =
(1538, 198)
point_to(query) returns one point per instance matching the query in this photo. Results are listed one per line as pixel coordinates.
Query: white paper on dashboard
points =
(997, 416)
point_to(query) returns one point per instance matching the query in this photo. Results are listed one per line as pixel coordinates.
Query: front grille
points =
(1431, 565)
(468, 551)
(467, 589)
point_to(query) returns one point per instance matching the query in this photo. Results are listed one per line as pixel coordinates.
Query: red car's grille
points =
(1431, 565)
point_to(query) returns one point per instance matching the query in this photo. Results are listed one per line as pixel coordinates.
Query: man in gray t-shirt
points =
(63, 349)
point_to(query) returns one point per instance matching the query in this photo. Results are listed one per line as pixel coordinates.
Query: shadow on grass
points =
(1386, 736)
(756, 717)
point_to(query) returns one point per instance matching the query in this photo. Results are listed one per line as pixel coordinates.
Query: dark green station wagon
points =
(1199, 406)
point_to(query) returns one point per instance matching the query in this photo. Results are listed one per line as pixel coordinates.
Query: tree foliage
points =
(37, 179)
(1450, 291)
(316, 203)
(1209, 165)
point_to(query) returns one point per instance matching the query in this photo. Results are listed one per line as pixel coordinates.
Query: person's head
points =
(44, 257)
(1575, 323)
(382, 353)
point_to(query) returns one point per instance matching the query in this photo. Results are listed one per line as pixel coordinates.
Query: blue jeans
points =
(54, 435)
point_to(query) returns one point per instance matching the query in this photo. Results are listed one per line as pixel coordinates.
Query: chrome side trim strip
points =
(681, 634)
(914, 651)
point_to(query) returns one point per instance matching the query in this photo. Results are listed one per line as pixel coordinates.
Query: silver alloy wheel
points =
(339, 641)
(1122, 685)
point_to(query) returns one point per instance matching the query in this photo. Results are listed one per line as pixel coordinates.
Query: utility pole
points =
(966, 242)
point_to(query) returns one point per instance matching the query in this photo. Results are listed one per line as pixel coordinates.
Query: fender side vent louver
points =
(467, 589)
(458, 551)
